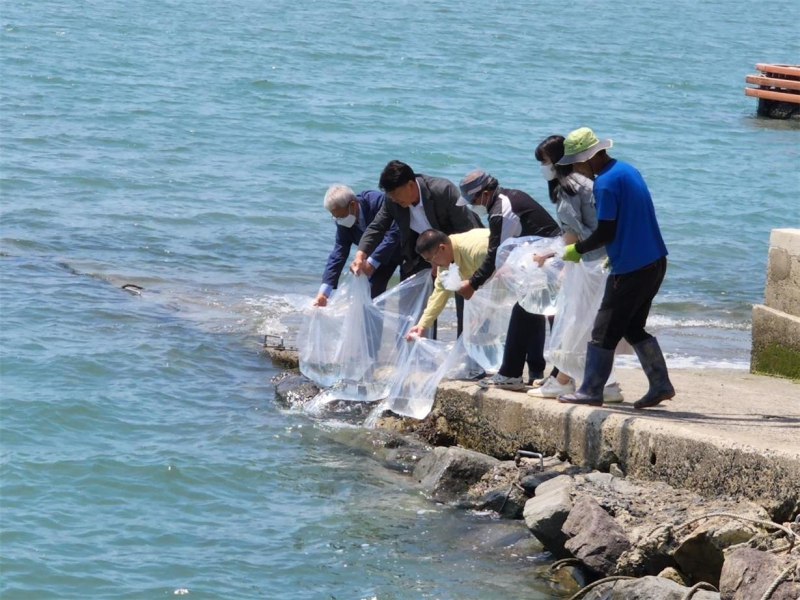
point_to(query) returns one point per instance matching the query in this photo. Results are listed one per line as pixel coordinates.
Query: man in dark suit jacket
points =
(353, 213)
(418, 203)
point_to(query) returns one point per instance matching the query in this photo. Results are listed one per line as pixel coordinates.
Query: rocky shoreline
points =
(654, 541)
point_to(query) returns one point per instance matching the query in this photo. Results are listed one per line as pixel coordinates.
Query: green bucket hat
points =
(581, 145)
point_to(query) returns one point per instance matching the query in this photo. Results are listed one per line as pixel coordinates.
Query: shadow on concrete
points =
(696, 417)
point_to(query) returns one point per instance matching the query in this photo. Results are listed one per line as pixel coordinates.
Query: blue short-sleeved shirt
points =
(622, 196)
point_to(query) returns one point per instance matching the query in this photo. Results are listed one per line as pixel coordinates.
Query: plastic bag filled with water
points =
(582, 290)
(354, 345)
(428, 363)
(332, 337)
(486, 317)
(535, 287)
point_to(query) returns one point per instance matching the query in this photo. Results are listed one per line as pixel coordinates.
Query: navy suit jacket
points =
(387, 252)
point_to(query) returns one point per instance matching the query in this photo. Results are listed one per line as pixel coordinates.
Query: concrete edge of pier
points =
(645, 446)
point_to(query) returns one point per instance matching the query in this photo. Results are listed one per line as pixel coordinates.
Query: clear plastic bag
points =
(486, 317)
(577, 304)
(428, 363)
(354, 345)
(535, 288)
(330, 334)
(451, 278)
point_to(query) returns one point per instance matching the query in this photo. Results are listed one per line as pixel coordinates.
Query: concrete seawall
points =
(727, 432)
(776, 323)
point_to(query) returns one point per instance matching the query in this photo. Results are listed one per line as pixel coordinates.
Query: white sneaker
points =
(552, 389)
(539, 382)
(612, 394)
(501, 382)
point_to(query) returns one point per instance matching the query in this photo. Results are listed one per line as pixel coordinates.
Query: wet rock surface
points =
(447, 473)
(294, 390)
(395, 451)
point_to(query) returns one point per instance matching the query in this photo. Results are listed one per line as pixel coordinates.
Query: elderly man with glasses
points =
(353, 213)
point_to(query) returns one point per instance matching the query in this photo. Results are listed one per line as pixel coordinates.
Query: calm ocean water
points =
(185, 147)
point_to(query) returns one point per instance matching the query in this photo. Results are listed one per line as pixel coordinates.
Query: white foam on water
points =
(278, 315)
(664, 322)
(682, 361)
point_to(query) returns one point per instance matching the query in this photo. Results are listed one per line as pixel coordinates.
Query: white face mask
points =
(347, 221)
(548, 172)
(479, 209)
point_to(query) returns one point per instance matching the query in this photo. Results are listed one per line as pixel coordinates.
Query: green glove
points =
(571, 254)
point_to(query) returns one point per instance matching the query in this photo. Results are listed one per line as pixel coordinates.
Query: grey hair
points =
(338, 196)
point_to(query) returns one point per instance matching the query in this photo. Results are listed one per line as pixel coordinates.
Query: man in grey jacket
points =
(417, 203)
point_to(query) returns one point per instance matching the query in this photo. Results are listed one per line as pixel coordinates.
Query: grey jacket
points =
(439, 198)
(578, 214)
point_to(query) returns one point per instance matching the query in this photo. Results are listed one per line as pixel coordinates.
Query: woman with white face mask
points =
(572, 194)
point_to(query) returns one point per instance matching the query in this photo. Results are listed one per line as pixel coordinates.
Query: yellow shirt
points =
(469, 251)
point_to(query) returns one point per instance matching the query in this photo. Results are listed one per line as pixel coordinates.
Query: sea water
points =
(186, 146)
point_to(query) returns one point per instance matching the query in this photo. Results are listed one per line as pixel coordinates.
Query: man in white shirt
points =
(417, 203)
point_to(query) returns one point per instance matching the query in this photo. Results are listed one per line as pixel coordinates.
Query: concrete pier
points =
(776, 323)
(726, 432)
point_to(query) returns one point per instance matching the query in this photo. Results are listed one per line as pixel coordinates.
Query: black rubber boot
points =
(655, 367)
(599, 363)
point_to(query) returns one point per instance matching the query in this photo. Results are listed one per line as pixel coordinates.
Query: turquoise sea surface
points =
(185, 147)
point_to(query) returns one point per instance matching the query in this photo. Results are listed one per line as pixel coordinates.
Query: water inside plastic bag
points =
(535, 288)
(354, 345)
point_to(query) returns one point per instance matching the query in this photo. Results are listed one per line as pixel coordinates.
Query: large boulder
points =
(646, 588)
(447, 473)
(700, 554)
(547, 511)
(595, 537)
(295, 390)
(748, 573)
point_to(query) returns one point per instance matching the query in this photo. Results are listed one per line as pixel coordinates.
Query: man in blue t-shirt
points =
(628, 229)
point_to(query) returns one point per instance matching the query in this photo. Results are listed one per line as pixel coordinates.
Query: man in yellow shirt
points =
(467, 250)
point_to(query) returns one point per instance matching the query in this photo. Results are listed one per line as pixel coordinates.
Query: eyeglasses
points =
(430, 260)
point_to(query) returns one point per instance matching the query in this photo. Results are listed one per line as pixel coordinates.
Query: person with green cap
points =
(628, 228)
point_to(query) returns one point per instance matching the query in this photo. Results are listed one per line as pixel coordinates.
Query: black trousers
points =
(379, 280)
(626, 305)
(524, 343)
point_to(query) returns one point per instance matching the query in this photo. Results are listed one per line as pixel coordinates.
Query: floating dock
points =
(778, 90)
